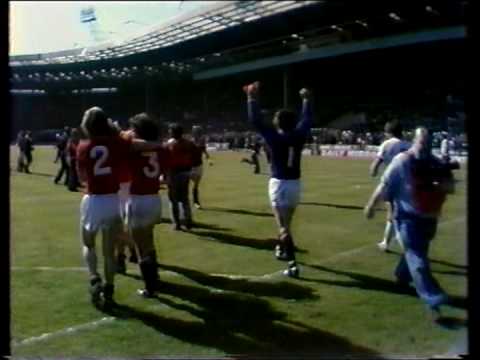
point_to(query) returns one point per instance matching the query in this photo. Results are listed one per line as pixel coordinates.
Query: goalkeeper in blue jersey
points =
(286, 141)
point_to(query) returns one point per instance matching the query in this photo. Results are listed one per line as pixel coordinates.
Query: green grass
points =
(344, 303)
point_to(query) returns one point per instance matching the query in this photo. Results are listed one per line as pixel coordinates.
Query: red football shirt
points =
(181, 154)
(200, 148)
(100, 161)
(145, 169)
(72, 149)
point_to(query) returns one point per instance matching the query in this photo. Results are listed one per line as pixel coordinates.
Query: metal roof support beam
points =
(450, 33)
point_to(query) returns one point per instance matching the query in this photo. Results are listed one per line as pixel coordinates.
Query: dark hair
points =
(285, 120)
(145, 127)
(394, 127)
(176, 130)
(95, 123)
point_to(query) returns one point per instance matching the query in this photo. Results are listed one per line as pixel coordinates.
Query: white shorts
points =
(143, 210)
(99, 212)
(123, 195)
(196, 172)
(284, 193)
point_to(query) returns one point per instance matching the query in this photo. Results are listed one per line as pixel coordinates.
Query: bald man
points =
(416, 183)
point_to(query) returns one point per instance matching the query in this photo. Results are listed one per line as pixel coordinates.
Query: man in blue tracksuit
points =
(285, 140)
(416, 182)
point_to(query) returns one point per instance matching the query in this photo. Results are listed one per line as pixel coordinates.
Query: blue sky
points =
(43, 26)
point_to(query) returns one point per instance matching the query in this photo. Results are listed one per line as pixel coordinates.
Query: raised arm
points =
(81, 168)
(254, 115)
(142, 145)
(305, 123)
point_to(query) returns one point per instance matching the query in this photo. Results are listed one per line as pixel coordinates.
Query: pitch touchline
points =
(233, 276)
(104, 320)
(69, 330)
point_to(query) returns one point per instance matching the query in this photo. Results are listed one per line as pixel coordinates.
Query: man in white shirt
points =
(445, 147)
(392, 146)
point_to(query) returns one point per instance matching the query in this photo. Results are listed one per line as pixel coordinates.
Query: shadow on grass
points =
(435, 261)
(267, 244)
(282, 289)
(199, 225)
(361, 281)
(450, 272)
(368, 282)
(36, 173)
(458, 302)
(451, 323)
(238, 324)
(239, 211)
(350, 207)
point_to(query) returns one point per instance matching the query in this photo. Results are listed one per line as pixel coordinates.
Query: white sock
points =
(389, 231)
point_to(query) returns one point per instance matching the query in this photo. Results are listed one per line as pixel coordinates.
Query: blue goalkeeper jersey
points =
(286, 148)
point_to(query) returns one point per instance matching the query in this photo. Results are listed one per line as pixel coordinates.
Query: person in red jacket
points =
(99, 160)
(181, 162)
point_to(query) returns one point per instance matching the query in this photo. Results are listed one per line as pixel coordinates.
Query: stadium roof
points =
(241, 32)
(204, 21)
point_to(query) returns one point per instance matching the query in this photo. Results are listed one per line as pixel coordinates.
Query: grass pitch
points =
(223, 292)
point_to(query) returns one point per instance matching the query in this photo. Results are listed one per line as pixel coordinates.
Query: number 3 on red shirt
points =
(153, 168)
(98, 169)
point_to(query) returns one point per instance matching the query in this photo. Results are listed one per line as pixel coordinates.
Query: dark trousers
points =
(178, 193)
(63, 170)
(72, 176)
(253, 161)
(29, 159)
(21, 161)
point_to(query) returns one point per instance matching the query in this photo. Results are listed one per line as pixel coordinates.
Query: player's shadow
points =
(237, 324)
(199, 225)
(338, 206)
(280, 289)
(362, 281)
(368, 282)
(436, 261)
(451, 323)
(231, 239)
(36, 173)
(450, 272)
(239, 211)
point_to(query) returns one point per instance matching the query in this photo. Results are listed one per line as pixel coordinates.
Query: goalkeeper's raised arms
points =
(304, 93)
(252, 89)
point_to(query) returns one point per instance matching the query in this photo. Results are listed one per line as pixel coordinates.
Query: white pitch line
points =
(49, 268)
(236, 276)
(329, 259)
(66, 331)
(96, 323)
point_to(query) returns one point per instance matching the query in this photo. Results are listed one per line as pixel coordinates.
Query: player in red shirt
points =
(181, 162)
(99, 159)
(197, 169)
(144, 206)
